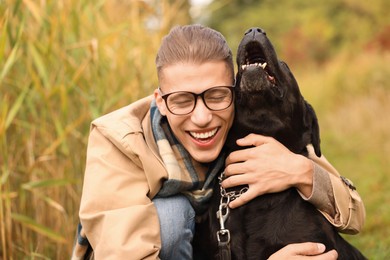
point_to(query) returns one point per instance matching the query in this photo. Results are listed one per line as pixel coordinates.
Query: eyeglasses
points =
(184, 102)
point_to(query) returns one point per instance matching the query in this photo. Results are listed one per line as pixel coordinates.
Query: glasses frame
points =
(195, 95)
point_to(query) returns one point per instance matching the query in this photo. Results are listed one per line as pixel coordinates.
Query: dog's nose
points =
(255, 31)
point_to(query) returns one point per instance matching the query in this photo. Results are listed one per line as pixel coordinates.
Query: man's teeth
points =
(204, 135)
(262, 65)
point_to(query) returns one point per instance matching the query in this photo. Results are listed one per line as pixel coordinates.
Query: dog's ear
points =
(312, 122)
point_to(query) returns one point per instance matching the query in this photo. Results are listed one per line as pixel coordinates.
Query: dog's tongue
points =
(271, 78)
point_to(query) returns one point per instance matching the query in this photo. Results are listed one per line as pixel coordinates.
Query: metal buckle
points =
(223, 233)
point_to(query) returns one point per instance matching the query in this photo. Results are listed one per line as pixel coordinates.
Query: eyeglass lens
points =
(217, 98)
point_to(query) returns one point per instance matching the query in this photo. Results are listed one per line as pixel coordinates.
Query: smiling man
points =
(151, 165)
(201, 124)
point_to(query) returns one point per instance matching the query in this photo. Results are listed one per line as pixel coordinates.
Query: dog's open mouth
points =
(255, 57)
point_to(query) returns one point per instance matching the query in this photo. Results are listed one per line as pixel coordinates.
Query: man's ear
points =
(160, 103)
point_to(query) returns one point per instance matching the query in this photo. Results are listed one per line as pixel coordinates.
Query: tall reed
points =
(63, 63)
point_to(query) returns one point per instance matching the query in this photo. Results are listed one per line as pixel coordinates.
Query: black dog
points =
(267, 102)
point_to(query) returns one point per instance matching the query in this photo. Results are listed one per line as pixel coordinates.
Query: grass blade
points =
(39, 64)
(15, 108)
(34, 9)
(3, 33)
(13, 55)
(45, 183)
(33, 225)
(9, 62)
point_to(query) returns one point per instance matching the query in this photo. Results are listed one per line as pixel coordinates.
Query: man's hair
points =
(193, 43)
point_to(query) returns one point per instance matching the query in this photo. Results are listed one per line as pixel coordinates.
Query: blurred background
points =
(66, 62)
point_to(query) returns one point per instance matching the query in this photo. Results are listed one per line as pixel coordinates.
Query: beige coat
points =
(124, 172)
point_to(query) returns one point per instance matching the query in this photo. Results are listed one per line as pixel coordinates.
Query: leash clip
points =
(223, 235)
(223, 213)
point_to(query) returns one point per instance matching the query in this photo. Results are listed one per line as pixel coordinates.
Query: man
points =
(151, 165)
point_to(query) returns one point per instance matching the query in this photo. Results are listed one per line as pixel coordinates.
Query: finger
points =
(243, 199)
(236, 180)
(331, 255)
(235, 157)
(235, 168)
(308, 248)
(254, 140)
(240, 155)
(314, 251)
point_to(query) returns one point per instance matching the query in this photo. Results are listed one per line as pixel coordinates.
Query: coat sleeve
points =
(119, 219)
(335, 197)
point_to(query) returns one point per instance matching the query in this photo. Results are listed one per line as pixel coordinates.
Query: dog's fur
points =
(268, 102)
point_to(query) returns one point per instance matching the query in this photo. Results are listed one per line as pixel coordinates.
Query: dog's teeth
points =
(244, 66)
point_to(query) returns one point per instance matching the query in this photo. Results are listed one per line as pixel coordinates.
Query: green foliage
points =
(63, 63)
(351, 96)
(302, 31)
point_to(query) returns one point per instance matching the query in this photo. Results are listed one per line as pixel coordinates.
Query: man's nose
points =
(201, 115)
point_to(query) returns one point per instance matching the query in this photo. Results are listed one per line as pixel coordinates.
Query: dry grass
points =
(63, 63)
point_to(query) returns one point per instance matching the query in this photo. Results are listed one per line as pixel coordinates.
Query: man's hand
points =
(267, 166)
(312, 251)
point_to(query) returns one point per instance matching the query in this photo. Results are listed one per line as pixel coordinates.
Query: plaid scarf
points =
(185, 175)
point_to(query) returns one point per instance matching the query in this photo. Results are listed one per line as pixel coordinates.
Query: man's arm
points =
(269, 167)
(335, 197)
(119, 219)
